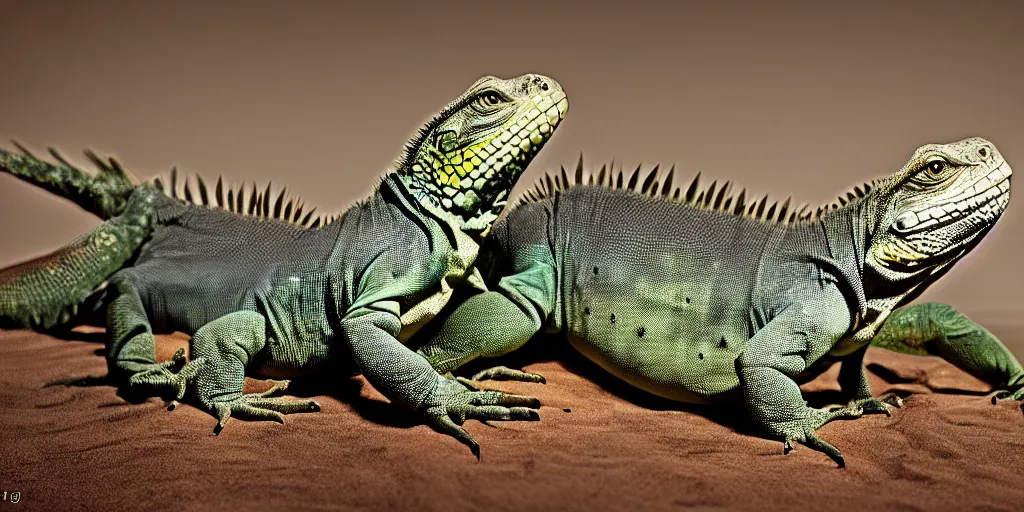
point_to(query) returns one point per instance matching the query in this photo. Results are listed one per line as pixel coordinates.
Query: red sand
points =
(85, 447)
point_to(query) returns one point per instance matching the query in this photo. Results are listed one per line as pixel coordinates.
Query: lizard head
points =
(937, 207)
(467, 158)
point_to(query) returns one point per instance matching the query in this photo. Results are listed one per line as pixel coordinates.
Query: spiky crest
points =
(257, 203)
(233, 199)
(713, 197)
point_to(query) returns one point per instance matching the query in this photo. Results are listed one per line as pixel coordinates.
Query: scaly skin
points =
(709, 300)
(279, 300)
(46, 292)
(104, 195)
(937, 329)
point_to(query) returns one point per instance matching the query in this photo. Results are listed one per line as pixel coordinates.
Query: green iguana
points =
(276, 294)
(707, 298)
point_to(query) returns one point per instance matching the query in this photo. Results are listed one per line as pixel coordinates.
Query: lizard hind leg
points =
(223, 348)
(933, 328)
(487, 325)
(853, 380)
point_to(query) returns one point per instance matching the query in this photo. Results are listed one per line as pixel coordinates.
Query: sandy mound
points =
(86, 447)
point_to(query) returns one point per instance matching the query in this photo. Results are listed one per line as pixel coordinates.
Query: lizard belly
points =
(299, 335)
(660, 337)
(656, 293)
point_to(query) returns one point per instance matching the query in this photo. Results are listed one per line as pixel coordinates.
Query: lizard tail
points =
(104, 194)
(49, 291)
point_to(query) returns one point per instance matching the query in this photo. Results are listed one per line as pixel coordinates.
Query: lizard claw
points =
(865, 406)
(802, 430)
(881, 405)
(1008, 394)
(452, 403)
(506, 373)
(257, 406)
(813, 441)
(446, 425)
(161, 375)
(470, 384)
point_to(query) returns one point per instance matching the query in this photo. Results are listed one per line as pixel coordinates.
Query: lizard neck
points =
(834, 245)
(473, 211)
(395, 188)
(854, 226)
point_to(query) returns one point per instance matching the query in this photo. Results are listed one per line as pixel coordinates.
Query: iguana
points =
(276, 294)
(702, 296)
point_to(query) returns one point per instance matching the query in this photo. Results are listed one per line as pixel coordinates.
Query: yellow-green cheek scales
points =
(463, 173)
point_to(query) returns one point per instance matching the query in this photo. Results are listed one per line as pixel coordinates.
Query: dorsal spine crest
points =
(659, 185)
(257, 203)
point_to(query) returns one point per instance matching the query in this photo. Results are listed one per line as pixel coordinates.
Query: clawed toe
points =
(470, 384)
(257, 406)
(803, 429)
(506, 373)
(881, 405)
(499, 413)
(845, 413)
(162, 376)
(452, 404)
(1004, 394)
(277, 386)
(875, 407)
(811, 440)
(858, 408)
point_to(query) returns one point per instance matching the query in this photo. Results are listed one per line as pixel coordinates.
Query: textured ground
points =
(78, 447)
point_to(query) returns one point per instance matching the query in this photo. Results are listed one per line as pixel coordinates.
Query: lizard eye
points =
(489, 99)
(935, 167)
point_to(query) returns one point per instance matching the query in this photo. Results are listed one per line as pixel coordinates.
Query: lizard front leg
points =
(781, 350)
(853, 381)
(937, 329)
(494, 323)
(407, 379)
(224, 347)
(131, 349)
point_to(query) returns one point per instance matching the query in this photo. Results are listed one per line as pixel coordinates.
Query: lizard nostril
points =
(544, 87)
(983, 152)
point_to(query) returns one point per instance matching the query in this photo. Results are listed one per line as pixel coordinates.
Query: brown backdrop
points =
(790, 98)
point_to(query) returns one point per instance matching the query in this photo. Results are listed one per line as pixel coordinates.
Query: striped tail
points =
(104, 195)
(47, 292)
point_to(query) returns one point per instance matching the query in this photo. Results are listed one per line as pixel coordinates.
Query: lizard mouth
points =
(920, 239)
(979, 198)
(509, 153)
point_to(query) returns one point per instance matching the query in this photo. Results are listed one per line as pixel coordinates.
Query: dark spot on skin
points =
(586, 311)
(687, 300)
(700, 355)
(595, 271)
(567, 410)
(613, 318)
(723, 343)
(640, 332)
